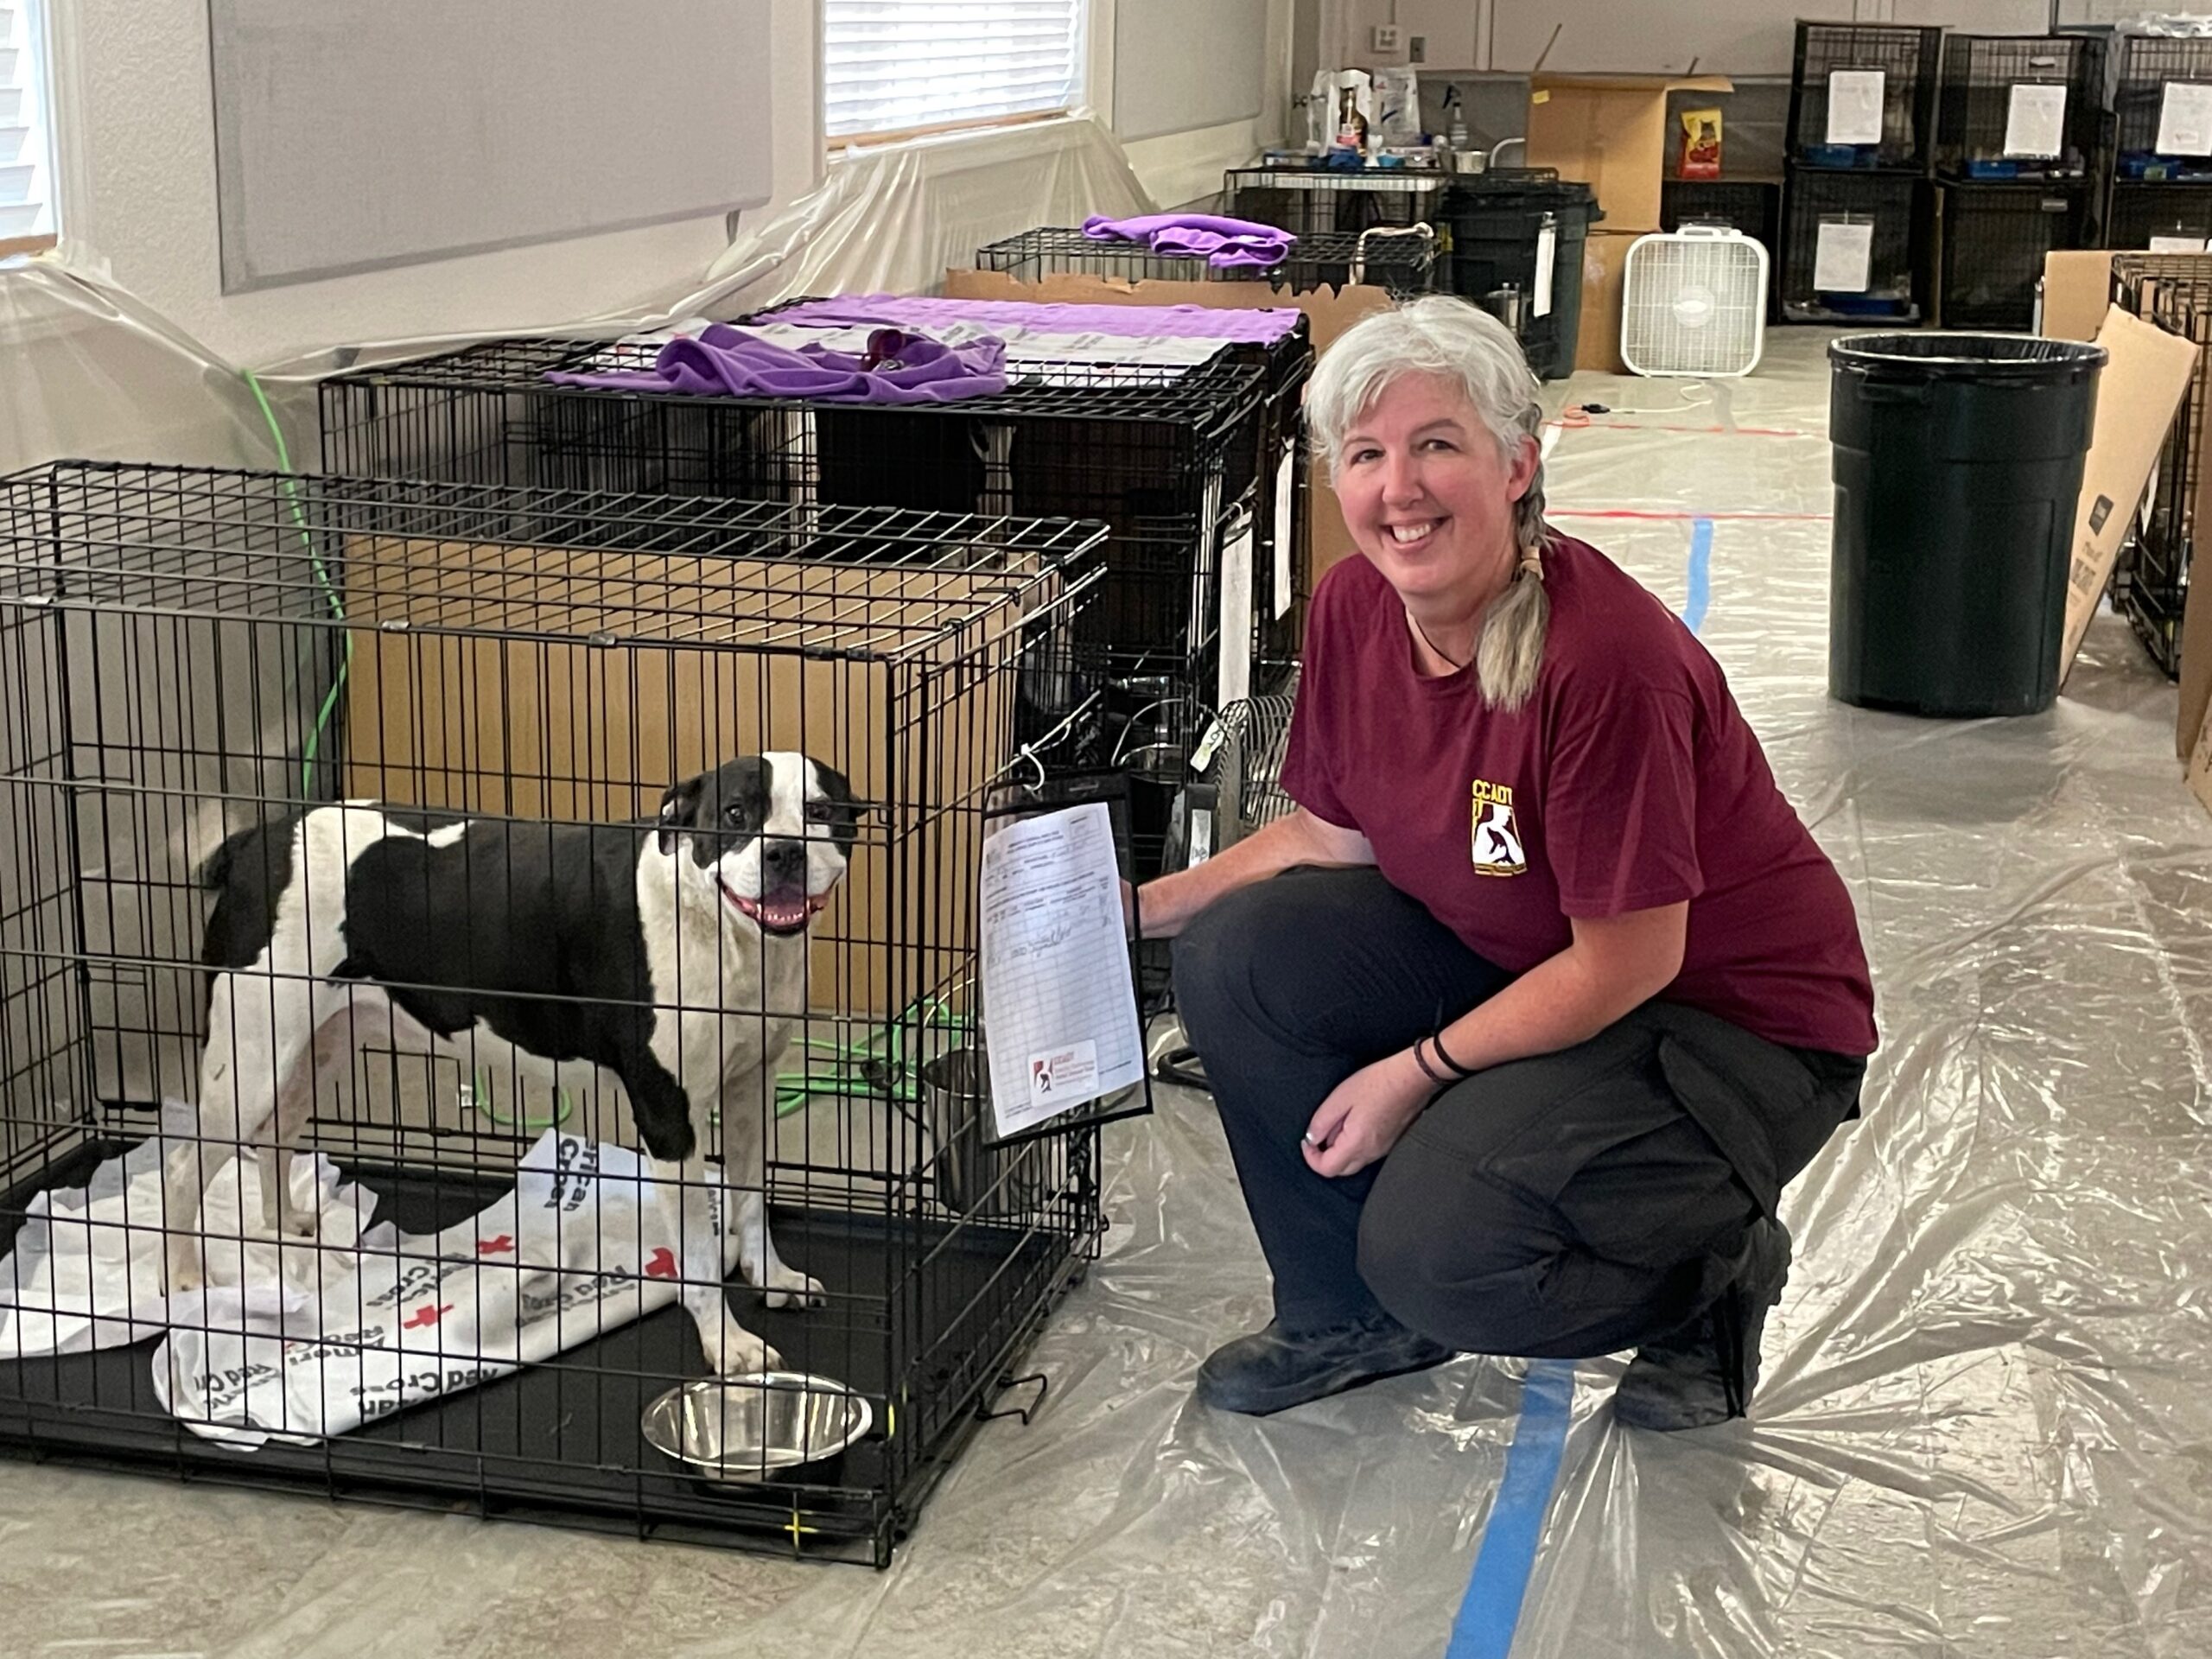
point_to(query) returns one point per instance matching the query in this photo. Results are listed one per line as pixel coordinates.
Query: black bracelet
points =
(1436, 1041)
(1424, 1069)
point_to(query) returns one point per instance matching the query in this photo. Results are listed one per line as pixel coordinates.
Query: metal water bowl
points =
(755, 1425)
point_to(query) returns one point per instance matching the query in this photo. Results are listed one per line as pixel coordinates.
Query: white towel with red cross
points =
(306, 1339)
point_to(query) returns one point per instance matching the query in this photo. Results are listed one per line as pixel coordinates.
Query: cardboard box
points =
(2200, 766)
(2142, 384)
(1598, 339)
(1328, 311)
(2196, 659)
(498, 696)
(2077, 287)
(1610, 132)
(2076, 296)
(2076, 293)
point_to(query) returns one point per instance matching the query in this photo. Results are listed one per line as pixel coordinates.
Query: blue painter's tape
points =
(1492, 1605)
(1701, 585)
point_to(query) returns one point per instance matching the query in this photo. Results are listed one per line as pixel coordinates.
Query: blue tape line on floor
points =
(1491, 1606)
(1701, 593)
(1490, 1611)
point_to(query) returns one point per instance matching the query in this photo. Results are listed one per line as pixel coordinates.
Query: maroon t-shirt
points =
(1629, 780)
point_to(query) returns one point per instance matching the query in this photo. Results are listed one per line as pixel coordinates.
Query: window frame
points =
(36, 78)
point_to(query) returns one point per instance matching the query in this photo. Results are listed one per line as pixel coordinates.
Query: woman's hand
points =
(1364, 1115)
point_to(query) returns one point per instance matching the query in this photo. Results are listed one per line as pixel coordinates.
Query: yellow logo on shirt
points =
(1498, 849)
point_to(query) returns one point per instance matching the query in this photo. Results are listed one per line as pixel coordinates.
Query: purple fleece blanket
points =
(1255, 326)
(897, 368)
(1225, 243)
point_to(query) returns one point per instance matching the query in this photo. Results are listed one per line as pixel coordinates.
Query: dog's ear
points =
(838, 790)
(679, 809)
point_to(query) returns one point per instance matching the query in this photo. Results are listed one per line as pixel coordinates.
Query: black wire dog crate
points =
(2159, 218)
(2161, 85)
(1400, 259)
(2023, 106)
(1321, 200)
(1752, 206)
(1853, 246)
(1262, 471)
(2152, 588)
(1863, 95)
(1993, 239)
(511, 1015)
(1163, 456)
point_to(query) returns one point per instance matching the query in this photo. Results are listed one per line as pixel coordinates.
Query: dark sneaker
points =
(1272, 1370)
(1706, 1372)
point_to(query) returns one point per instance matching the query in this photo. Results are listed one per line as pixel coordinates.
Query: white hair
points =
(1462, 343)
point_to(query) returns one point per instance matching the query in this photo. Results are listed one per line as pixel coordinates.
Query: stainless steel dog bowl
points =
(752, 1426)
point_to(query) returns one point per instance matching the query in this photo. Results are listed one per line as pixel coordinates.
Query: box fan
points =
(1694, 302)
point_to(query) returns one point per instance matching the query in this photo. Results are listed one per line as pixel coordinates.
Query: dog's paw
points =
(733, 1351)
(792, 1288)
(183, 1277)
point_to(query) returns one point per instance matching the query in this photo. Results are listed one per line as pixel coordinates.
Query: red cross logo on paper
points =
(500, 1246)
(661, 1265)
(425, 1316)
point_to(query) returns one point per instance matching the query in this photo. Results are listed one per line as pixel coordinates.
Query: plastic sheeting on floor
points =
(1985, 1430)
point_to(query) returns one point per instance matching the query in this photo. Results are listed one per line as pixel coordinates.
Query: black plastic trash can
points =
(1501, 225)
(1957, 464)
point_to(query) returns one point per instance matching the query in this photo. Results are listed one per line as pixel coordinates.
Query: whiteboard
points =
(1726, 37)
(1180, 66)
(351, 135)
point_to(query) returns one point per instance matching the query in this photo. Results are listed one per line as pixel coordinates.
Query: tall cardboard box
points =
(1604, 259)
(1610, 132)
(2076, 290)
(2145, 374)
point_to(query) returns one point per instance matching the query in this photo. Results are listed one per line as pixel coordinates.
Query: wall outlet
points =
(1386, 37)
(1416, 48)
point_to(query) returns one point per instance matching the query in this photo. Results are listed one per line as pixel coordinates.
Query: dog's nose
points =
(785, 858)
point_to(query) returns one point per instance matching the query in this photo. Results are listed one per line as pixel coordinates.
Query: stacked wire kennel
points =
(2158, 139)
(2151, 585)
(1318, 201)
(1164, 458)
(1401, 259)
(190, 652)
(1841, 71)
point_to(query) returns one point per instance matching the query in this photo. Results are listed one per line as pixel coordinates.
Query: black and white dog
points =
(672, 953)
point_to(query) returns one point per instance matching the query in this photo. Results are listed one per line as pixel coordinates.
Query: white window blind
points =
(893, 66)
(26, 142)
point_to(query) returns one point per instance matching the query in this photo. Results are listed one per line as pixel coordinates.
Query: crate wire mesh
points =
(2153, 72)
(1245, 751)
(2151, 590)
(1993, 239)
(1165, 458)
(2143, 213)
(190, 653)
(1399, 258)
(1888, 203)
(1750, 206)
(1907, 59)
(1985, 126)
(1316, 201)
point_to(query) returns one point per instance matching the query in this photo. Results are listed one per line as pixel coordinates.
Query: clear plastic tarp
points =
(1986, 1427)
